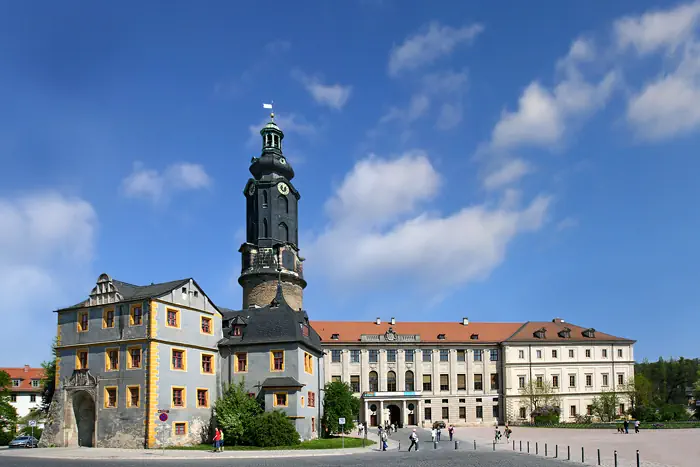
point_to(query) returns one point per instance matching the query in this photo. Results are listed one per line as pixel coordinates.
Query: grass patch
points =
(323, 443)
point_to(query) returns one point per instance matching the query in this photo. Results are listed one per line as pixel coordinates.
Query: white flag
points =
(267, 106)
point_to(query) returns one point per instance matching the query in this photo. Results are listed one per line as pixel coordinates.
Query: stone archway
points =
(84, 412)
(394, 414)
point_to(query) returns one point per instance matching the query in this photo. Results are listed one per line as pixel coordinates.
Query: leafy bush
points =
(583, 419)
(27, 431)
(546, 415)
(338, 402)
(272, 429)
(673, 412)
(235, 411)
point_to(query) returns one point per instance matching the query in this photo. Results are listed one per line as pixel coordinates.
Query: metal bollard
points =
(494, 445)
(521, 445)
(435, 444)
(615, 458)
(399, 445)
(528, 447)
(583, 459)
(537, 448)
(513, 445)
(456, 445)
(598, 456)
(556, 450)
(545, 449)
(475, 445)
(637, 457)
(568, 453)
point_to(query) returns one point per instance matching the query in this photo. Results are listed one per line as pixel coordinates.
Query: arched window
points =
(284, 232)
(264, 200)
(391, 381)
(264, 229)
(409, 381)
(268, 140)
(373, 381)
(283, 204)
(277, 141)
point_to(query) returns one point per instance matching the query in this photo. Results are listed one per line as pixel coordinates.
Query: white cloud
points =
(47, 243)
(157, 186)
(427, 46)
(510, 171)
(389, 235)
(417, 108)
(450, 116)
(658, 29)
(334, 96)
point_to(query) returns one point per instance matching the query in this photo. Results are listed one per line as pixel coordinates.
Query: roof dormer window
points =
(540, 333)
(237, 331)
(589, 333)
(335, 337)
(565, 333)
(304, 329)
(474, 337)
(441, 337)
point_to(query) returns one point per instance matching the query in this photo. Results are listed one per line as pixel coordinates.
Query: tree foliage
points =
(8, 414)
(338, 401)
(234, 413)
(272, 429)
(49, 379)
(538, 395)
(605, 406)
(666, 389)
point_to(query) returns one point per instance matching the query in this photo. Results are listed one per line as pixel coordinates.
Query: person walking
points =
(627, 426)
(439, 431)
(451, 431)
(221, 440)
(433, 434)
(636, 426)
(384, 439)
(414, 440)
(217, 438)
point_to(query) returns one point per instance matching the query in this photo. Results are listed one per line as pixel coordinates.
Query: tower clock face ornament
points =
(283, 161)
(283, 188)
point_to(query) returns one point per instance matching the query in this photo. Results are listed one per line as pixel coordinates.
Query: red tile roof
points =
(25, 375)
(552, 329)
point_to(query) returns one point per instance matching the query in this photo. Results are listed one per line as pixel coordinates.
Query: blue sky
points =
(504, 161)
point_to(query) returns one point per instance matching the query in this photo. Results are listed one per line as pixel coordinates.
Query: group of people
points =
(507, 431)
(218, 440)
(625, 427)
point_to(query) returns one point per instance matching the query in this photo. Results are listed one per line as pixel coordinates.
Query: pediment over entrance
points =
(81, 379)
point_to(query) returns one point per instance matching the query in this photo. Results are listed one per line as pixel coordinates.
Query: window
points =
(391, 381)
(180, 428)
(478, 383)
(427, 383)
(108, 318)
(523, 412)
(355, 383)
(495, 411)
(619, 353)
(284, 232)
(178, 397)
(35, 383)
(277, 360)
(445, 401)
(555, 381)
(446, 413)
(173, 318)
(311, 399)
(479, 411)
(555, 354)
(409, 356)
(589, 410)
(336, 379)
(588, 353)
(428, 415)
(202, 398)
(336, 355)
(207, 364)
(132, 396)
(136, 315)
(521, 354)
(302, 401)
(461, 355)
(572, 381)
(304, 329)
(620, 379)
(463, 413)
(493, 355)
(207, 328)
(280, 399)
(283, 204)
(133, 358)
(572, 411)
(354, 356)
(32, 398)
(521, 382)
(539, 353)
(477, 355)
(81, 359)
(409, 381)
(605, 379)
(427, 355)
(110, 397)
(622, 409)
(539, 381)
(373, 356)
(444, 382)
(373, 381)
(605, 353)
(241, 362)
(178, 360)
(444, 355)
(238, 330)
(391, 355)
(494, 381)
(83, 321)
(13, 397)
(462, 401)
(571, 353)
(112, 359)
(589, 380)
(461, 382)
(313, 423)
(308, 363)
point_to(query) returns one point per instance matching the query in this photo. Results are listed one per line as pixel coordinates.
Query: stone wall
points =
(260, 292)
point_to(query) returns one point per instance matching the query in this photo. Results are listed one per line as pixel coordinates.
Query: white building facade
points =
(464, 373)
(26, 388)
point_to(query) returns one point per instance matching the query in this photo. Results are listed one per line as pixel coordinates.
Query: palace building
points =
(142, 365)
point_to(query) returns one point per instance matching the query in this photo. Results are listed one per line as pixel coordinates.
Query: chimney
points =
(465, 321)
(393, 320)
(26, 368)
(558, 320)
(378, 321)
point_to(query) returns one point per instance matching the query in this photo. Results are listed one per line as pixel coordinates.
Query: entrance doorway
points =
(411, 414)
(394, 414)
(84, 411)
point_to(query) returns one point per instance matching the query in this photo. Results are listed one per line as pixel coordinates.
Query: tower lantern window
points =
(268, 140)
(277, 141)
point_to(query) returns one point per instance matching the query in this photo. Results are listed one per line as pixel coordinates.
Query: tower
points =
(271, 252)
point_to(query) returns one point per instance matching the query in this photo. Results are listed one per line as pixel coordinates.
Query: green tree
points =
(8, 414)
(605, 406)
(338, 401)
(234, 413)
(272, 429)
(696, 396)
(49, 379)
(537, 395)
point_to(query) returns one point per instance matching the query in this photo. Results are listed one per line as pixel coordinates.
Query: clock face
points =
(283, 188)
(283, 161)
(251, 190)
